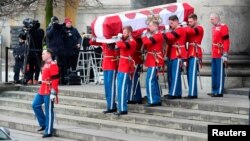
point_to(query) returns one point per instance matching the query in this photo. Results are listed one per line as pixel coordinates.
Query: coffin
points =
(105, 27)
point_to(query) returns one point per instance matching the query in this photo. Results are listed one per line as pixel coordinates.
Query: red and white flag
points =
(105, 27)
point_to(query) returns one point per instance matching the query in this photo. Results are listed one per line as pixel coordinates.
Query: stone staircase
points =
(238, 73)
(79, 116)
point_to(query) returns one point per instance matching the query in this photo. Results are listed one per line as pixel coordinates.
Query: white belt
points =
(177, 46)
(218, 44)
(156, 54)
(195, 44)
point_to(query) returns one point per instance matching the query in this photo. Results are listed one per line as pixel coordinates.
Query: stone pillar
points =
(235, 13)
(137, 4)
(71, 8)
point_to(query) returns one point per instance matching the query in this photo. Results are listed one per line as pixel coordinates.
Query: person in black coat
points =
(18, 53)
(67, 59)
(35, 53)
(72, 43)
(54, 37)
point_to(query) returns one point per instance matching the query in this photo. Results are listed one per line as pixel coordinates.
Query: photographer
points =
(54, 37)
(36, 35)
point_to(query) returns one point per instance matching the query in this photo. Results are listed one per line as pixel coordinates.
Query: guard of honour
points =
(176, 48)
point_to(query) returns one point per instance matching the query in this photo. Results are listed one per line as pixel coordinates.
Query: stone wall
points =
(87, 15)
(136, 4)
(235, 13)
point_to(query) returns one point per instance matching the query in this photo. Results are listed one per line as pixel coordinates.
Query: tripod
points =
(28, 43)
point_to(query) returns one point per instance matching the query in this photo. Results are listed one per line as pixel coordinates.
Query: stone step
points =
(143, 119)
(18, 135)
(239, 91)
(180, 113)
(231, 71)
(231, 57)
(72, 91)
(243, 62)
(117, 127)
(8, 87)
(76, 133)
(246, 82)
(203, 103)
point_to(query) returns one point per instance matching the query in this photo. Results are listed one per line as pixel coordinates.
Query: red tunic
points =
(137, 56)
(127, 48)
(154, 45)
(220, 40)
(110, 61)
(177, 39)
(194, 39)
(50, 79)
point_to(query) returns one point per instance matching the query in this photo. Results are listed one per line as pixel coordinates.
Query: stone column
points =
(137, 4)
(71, 8)
(235, 13)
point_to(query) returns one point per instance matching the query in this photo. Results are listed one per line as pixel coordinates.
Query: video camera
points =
(30, 24)
(54, 21)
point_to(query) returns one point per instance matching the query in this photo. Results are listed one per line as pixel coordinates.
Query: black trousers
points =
(17, 68)
(64, 66)
(34, 67)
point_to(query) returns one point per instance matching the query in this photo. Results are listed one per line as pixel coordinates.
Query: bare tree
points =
(15, 7)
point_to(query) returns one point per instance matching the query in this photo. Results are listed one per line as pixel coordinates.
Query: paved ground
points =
(28, 136)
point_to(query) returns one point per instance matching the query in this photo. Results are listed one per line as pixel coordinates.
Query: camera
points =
(30, 24)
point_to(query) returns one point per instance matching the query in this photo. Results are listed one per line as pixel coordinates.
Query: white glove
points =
(116, 47)
(148, 34)
(52, 94)
(119, 35)
(93, 38)
(144, 33)
(183, 24)
(52, 97)
(185, 64)
(167, 27)
(224, 57)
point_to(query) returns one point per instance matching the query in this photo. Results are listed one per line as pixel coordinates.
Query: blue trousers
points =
(134, 88)
(122, 91)
(168, 75)
(152, 86)
(175, 86)
(45, 120)
(218, 78)
(110, 88)
(192, 76)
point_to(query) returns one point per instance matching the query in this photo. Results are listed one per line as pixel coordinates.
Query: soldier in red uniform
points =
(194, 37)
(47, 94)
(178, 54)
(167, 59)
(134, 94)
(220, 48)
(153, 43)
(109, 67)
(127, 46)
